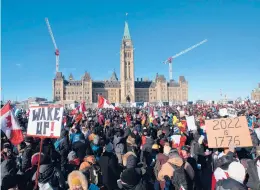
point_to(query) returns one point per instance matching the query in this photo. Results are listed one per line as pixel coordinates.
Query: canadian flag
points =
(104, 103)
(79, 108)
(10, 126)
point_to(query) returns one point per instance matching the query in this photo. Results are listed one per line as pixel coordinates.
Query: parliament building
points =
(127, 89)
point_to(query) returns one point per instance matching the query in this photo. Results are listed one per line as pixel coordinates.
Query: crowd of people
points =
(134, 149)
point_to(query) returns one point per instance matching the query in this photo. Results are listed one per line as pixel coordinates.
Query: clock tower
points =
(127, 78)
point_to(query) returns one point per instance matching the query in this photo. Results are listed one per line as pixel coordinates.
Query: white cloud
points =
(18, 64)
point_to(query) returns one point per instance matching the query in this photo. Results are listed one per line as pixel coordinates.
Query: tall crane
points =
(169, 60)
(57, 52)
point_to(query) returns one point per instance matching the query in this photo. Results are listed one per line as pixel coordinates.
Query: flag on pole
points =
(10, 126)
(104, 103)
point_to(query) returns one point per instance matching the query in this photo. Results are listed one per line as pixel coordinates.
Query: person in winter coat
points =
(80, 147)
(175, 161)
(27, 154)
(131, 180)
(119, 145)
(221, 172)
(253, 171)
(237, 173)
(109, 168)
(77, 181)
(146, 152)
(64, 148)
(161, 159)
(130, 143)
(8, 169)
(49, 175)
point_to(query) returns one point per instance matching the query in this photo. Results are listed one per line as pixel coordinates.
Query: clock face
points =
(127, 43)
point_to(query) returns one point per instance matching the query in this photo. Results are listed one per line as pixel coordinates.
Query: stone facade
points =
(255, 95)
(127, 89)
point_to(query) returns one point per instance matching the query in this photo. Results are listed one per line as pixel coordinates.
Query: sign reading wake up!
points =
(45, 121)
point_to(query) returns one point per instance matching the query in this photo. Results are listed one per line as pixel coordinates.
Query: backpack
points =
(178, 179)
(95, 174)
(57, 144)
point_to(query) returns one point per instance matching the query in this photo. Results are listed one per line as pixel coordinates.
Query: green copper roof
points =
(126, 32)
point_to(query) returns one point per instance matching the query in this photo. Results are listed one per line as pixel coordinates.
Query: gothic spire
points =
(126, 32)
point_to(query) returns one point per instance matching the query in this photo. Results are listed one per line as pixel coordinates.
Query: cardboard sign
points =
(222, 133)
(182, 113)
(191, 123)
(45, 121)
(223, 112)
(231, 112)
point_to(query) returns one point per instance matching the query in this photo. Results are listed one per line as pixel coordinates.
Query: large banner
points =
(225, 132)
(45, 121)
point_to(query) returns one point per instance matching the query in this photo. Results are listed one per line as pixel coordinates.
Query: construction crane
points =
(169, 60)
(57, 52)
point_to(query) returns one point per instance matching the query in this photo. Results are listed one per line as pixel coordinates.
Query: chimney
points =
(137, 79)
(141, 79)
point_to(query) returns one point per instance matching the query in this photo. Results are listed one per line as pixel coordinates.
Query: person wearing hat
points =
(77, 181)
(131, 179)
(253, 171)
(27, 153)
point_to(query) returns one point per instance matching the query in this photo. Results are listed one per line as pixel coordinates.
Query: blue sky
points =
(89, 33)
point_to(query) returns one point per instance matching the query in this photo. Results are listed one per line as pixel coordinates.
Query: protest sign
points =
(227, 132)
(45, 121)
(182, 113)
(231, 112)
(223, 112)
(191, 123)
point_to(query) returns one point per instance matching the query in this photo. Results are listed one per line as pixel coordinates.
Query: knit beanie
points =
(166, 150)
(130, 176)
(237, 171)
(155, 146)
(77, 179)
(35, 158)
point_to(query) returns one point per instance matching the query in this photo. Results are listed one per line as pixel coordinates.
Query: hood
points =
(126, 156)
(131, 161)
(177, 161)
(46, 172)
(77, 175)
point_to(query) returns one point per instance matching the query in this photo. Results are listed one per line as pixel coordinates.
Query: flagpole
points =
(38, 167)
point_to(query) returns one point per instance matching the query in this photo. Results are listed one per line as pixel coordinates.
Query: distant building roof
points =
(113, 77)
(182, 79)
(86, 76)
(106, 84)
(160, 78)
(144, 84)
(58, 75)
(173, 83)
(71, 77)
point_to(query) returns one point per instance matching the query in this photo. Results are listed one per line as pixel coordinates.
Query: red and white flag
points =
(10, 126)
(82, 107)
(104, 103)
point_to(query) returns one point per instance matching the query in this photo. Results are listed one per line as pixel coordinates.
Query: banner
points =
(191, 123)
(225, 132)
(231, 112)
(223, 112)
(45, 121)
